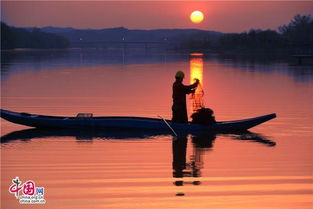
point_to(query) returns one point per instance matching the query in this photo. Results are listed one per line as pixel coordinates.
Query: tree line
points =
(296, 35)
(12, 37)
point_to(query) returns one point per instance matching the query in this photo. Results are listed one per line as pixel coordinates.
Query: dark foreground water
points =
(271, 167)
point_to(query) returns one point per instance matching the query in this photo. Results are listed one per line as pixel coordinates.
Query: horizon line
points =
(197, 29)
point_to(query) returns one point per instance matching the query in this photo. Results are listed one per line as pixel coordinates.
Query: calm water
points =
(271, 167)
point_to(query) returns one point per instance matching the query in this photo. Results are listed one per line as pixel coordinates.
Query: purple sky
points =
(224, 16)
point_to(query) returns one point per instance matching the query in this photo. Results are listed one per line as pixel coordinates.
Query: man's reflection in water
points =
(179, 147)
(182, 168)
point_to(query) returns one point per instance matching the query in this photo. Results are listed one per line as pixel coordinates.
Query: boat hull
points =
(118, 122)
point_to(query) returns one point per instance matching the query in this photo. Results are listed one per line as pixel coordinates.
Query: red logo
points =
(28, 188)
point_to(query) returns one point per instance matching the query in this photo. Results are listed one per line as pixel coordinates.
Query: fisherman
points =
(179, 108)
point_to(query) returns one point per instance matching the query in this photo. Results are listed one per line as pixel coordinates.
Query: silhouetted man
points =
(179, 108)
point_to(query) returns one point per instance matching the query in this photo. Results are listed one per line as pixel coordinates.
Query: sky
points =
(223, 16)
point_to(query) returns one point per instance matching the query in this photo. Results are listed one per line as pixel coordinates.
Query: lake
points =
(268, 167)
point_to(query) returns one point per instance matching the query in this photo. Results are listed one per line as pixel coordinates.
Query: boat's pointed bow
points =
(258, 120)
(269, 116)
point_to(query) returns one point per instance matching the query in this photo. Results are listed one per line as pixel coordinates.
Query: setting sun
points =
(196, 17)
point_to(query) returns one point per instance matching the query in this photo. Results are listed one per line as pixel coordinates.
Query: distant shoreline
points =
(183, 51)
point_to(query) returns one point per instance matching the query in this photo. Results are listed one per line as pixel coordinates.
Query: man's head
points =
(180, 75)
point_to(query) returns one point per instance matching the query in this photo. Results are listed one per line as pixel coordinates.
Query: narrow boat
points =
(83, 121)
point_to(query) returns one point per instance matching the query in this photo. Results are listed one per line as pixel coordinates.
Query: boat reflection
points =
(199, 140)
(253, 137)
(81, 134)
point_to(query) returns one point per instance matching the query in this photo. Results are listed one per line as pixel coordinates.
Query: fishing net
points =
(197, 98)
(201, 115)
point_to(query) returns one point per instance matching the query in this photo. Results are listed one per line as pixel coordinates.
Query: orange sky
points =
(224, 16)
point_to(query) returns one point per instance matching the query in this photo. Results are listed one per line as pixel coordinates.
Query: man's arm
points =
(190, 88)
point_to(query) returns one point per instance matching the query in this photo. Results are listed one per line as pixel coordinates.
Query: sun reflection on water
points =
(196, 72)
(196, 67)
